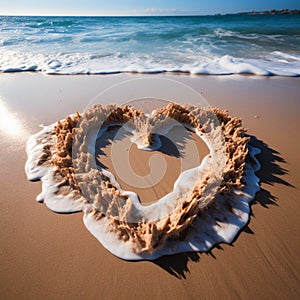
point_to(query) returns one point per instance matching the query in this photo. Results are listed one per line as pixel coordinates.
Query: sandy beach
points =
(45, 255)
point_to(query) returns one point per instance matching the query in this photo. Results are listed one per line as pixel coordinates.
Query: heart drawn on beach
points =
(209, 203)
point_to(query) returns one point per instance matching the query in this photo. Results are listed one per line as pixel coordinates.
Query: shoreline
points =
(264, 73)
(149, 73)
(53, 256)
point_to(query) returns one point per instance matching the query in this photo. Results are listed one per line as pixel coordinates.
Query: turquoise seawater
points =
(230, 44)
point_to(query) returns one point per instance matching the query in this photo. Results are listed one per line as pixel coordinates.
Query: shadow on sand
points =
(270, 173)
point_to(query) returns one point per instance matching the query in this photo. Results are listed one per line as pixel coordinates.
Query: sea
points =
(220, 45)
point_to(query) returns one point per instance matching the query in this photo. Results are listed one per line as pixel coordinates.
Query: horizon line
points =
(103, 15)
(136, 15)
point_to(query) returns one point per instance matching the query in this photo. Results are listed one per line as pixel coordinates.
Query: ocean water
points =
(233, 44)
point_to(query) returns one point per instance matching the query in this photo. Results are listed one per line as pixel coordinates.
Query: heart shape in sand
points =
(68, 155)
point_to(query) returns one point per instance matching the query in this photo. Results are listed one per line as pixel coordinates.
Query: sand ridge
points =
(78, 175)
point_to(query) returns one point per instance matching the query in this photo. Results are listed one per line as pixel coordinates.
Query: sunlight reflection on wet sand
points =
(10, 124)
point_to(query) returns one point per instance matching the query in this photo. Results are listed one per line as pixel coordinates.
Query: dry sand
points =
(45, 255)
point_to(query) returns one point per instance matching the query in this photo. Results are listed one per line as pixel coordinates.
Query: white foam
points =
(275, 63)
(34, 172)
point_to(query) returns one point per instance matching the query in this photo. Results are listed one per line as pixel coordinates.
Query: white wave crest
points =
(275, 63)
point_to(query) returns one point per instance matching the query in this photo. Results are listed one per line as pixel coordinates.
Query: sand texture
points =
(45, 255)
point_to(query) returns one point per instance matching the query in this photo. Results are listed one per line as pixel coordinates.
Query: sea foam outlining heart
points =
(209, 204)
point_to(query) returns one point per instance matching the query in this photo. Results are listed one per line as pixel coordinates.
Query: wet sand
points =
(52, 256)
(180, 150)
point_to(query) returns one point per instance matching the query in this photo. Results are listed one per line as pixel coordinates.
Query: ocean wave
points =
(275, 63)
(197, 45)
